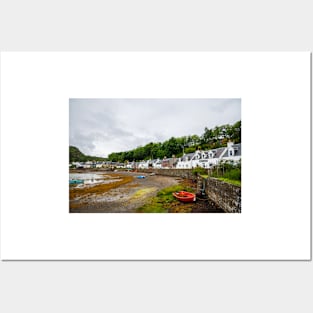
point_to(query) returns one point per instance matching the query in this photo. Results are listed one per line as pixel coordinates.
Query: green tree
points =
(236, 129)
(210, 139)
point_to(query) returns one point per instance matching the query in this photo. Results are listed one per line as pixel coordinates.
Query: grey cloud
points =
(83, 142)
(103, 126)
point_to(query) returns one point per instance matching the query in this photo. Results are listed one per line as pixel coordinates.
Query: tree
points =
(171, 147)
(236, 128)
(210, 139)
(139, 153)
(207, 137)
(155, 150)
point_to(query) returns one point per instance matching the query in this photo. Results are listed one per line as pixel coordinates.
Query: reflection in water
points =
(91, 179)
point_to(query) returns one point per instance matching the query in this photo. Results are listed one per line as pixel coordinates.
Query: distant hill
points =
(77, 156)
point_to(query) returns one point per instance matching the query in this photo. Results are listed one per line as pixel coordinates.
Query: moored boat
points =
(184, 196)
(76, 181)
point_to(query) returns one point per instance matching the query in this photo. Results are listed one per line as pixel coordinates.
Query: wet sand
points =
(125, 198)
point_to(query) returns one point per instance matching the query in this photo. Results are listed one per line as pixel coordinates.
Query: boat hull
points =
(185, 196)
(76, 181)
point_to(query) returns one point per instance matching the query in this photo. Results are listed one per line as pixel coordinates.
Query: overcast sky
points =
(99, 127)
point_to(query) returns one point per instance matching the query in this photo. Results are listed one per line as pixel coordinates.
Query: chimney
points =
(229, 144)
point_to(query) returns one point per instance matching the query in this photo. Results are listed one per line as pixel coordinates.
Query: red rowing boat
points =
(184, 196)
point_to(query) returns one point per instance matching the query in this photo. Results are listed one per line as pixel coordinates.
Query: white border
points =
(275, 93)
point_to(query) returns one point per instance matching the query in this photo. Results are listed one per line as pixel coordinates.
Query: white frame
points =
(35, 89)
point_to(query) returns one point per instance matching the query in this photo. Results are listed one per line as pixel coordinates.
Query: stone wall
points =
(225, 195)
(176, 172)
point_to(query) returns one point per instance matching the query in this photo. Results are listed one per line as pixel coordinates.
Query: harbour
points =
(124, 192)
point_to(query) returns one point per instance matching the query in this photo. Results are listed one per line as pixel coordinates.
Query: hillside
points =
(77, 156)
(210, 139)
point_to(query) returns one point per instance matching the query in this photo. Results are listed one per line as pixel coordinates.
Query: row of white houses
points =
(99, 164)
(205, 159)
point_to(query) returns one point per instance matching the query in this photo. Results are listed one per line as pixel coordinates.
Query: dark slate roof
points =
(238, 150)
(169, 159)
(218, 152)
(189, 155)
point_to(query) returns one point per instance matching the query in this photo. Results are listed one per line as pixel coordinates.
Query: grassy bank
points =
(163, 200)
(228, 172)
(230, 181)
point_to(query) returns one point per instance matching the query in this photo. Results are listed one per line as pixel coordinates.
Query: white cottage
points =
(207, 159)
(233, 152)
(185, 161)
(143, 164)
(157, 163)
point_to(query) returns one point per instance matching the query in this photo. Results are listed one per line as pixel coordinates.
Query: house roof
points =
(188, 155)
(219, 152)
(238, 150)
(169, 159)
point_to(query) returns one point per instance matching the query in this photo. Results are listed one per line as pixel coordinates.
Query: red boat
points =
(184, 196)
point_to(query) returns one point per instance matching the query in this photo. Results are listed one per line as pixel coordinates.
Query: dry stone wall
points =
(225, 195)
(183, 173)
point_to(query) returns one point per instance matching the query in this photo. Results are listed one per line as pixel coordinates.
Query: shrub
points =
(200, 171)
(234, 174)
(227, 170)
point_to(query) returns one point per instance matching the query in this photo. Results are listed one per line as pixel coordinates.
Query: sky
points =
(99, 127)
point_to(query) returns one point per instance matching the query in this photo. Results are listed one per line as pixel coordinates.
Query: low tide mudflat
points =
(118, 192)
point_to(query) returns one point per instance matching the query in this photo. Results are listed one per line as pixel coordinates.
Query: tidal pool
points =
(92, 178)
